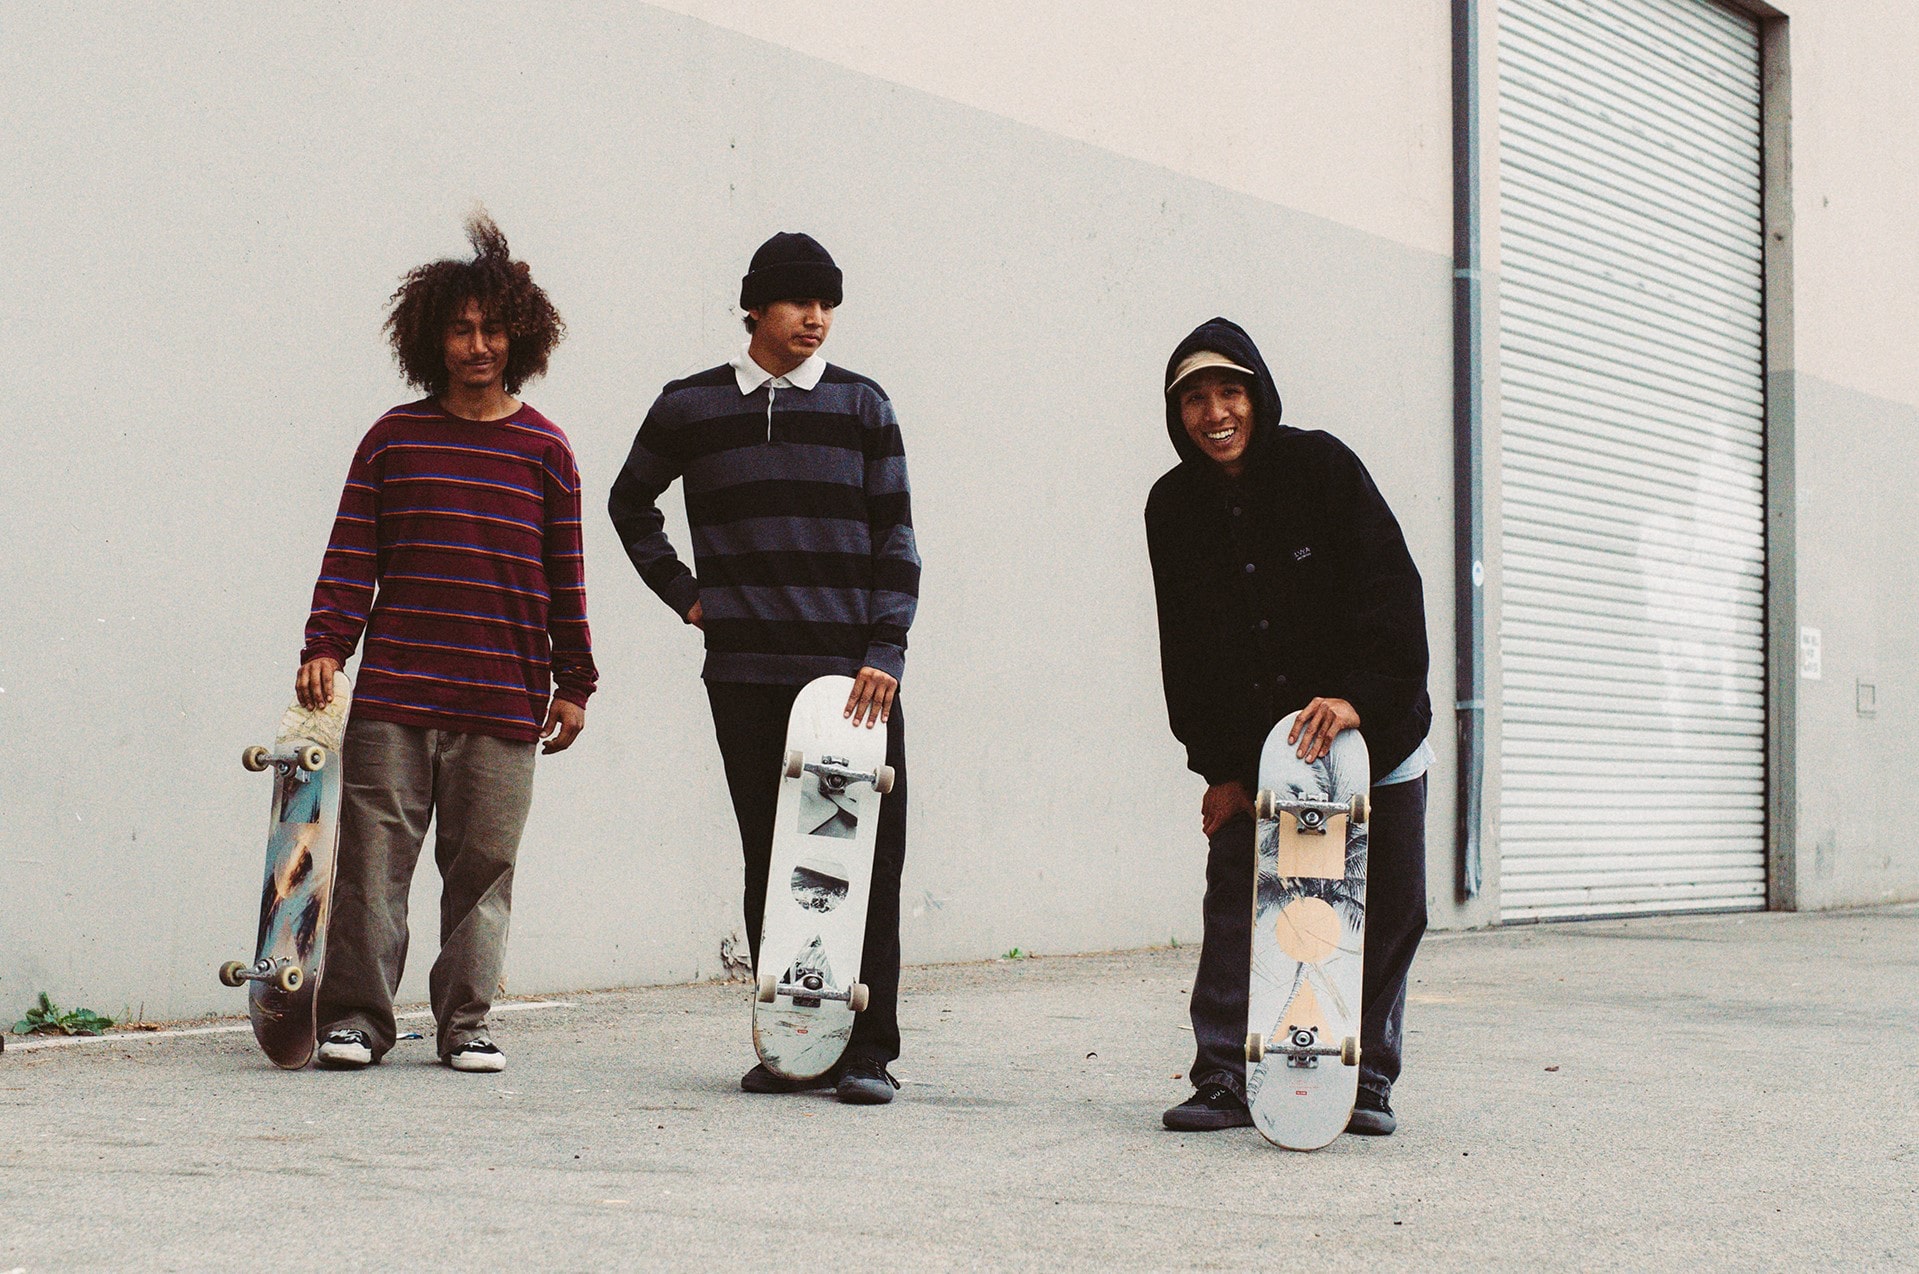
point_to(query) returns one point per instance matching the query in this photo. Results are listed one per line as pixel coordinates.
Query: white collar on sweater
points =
(749, 375)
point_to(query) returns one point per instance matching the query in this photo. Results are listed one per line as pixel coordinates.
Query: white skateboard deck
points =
(818, 882)
(1309, 934)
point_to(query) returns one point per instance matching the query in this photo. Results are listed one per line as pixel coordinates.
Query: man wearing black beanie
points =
(802, 528)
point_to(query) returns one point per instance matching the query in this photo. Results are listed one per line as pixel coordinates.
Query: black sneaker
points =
(762, 1080)
(864, 1081)
(346, 1050)
(1372, 1115)
(1212, 1108)
(477, 1055)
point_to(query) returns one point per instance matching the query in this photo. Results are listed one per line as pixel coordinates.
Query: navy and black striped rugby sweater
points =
(801, 520)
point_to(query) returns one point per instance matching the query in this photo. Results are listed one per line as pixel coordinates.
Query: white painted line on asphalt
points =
(124, 1037)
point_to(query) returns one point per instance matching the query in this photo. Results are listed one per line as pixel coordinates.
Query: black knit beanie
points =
(790, 267)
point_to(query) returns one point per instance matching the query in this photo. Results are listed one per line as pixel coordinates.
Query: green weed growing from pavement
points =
(48, 1018)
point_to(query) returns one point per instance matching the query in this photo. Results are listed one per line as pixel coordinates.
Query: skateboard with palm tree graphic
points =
(1309, 935)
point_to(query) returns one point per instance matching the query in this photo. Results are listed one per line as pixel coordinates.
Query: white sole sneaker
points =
(345, 1056)
(467, 1060)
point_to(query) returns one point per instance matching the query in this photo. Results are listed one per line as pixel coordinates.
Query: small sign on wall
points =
(1809, 654)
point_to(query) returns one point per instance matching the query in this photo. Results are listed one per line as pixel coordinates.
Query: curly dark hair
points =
(431, 296)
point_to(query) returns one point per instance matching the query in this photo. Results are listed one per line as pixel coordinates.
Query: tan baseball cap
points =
(1200, 360)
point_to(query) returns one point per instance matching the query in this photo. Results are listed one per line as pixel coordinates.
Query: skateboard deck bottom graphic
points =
(303, 829)
(832, 781)
(1309, 928)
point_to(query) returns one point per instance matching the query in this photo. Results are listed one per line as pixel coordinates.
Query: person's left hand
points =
(564, 721)
(872, 697)
(1318, 724)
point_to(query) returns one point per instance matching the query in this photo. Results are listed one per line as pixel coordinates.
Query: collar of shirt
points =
(749, 375)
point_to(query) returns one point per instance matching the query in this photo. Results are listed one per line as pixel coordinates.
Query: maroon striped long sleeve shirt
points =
(457, 554)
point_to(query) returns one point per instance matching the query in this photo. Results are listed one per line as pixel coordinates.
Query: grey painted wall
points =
(1857, 574)
(208, 215)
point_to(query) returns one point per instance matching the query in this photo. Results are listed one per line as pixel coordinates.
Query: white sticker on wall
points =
(1809, 662)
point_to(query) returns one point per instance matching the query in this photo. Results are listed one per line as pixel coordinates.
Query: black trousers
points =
(1395, 922)
(750, 723)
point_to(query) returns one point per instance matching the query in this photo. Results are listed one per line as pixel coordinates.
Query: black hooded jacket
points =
(1292, 581)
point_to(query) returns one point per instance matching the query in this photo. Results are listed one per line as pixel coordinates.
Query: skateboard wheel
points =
(1255, 1042)
(1265, 805)
(312, 756)
(883, 780)
(289, 978)
(765, 992)
(856, 999)
(230, 971)
(795, 762)
(1349, 1051)
(1361, 808)
(254, 758)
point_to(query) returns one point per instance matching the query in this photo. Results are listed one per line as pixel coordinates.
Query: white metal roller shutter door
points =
(1632, 524)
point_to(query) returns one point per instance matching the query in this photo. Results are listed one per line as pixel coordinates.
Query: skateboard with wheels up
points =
(303, 836)
(832, 780)
(1309, 936)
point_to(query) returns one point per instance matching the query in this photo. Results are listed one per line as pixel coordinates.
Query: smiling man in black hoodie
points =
(1284, 584)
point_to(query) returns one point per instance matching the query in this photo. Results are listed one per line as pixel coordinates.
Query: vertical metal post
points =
(1469, 569)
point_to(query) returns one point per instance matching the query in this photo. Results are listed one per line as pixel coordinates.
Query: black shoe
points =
(1372, 1115)
(477, 1055)
(1212, 1108)
(864, 1081)
(762, 1080)
(346, 1050)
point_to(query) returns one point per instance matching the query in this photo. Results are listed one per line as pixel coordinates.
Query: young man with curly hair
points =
(796, 497)
(456, 556)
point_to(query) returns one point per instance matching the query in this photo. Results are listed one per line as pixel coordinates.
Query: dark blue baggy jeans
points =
(1395, 922)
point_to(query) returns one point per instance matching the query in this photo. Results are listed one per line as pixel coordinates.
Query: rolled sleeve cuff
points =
(887, 658)
(681, 592)
(325, 650)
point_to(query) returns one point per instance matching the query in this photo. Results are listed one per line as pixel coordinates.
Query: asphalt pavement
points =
(1724, 1092)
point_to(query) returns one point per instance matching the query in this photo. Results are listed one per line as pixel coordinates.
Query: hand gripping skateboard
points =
(831, 783)
(303, 835)
(1309, 934)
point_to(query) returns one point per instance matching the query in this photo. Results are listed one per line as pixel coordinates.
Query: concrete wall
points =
(208, 212)
(1854, 388)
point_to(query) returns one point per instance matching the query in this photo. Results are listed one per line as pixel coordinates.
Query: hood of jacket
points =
(1223, 336)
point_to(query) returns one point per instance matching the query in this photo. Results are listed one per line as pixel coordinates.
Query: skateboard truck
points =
(834, 773)
(1302, 1049)
(305, 758)
(809, 989)
(283, 973)
(1313, 817)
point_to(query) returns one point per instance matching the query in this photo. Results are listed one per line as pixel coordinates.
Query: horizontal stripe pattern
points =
(801, 522)
(456, 560)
